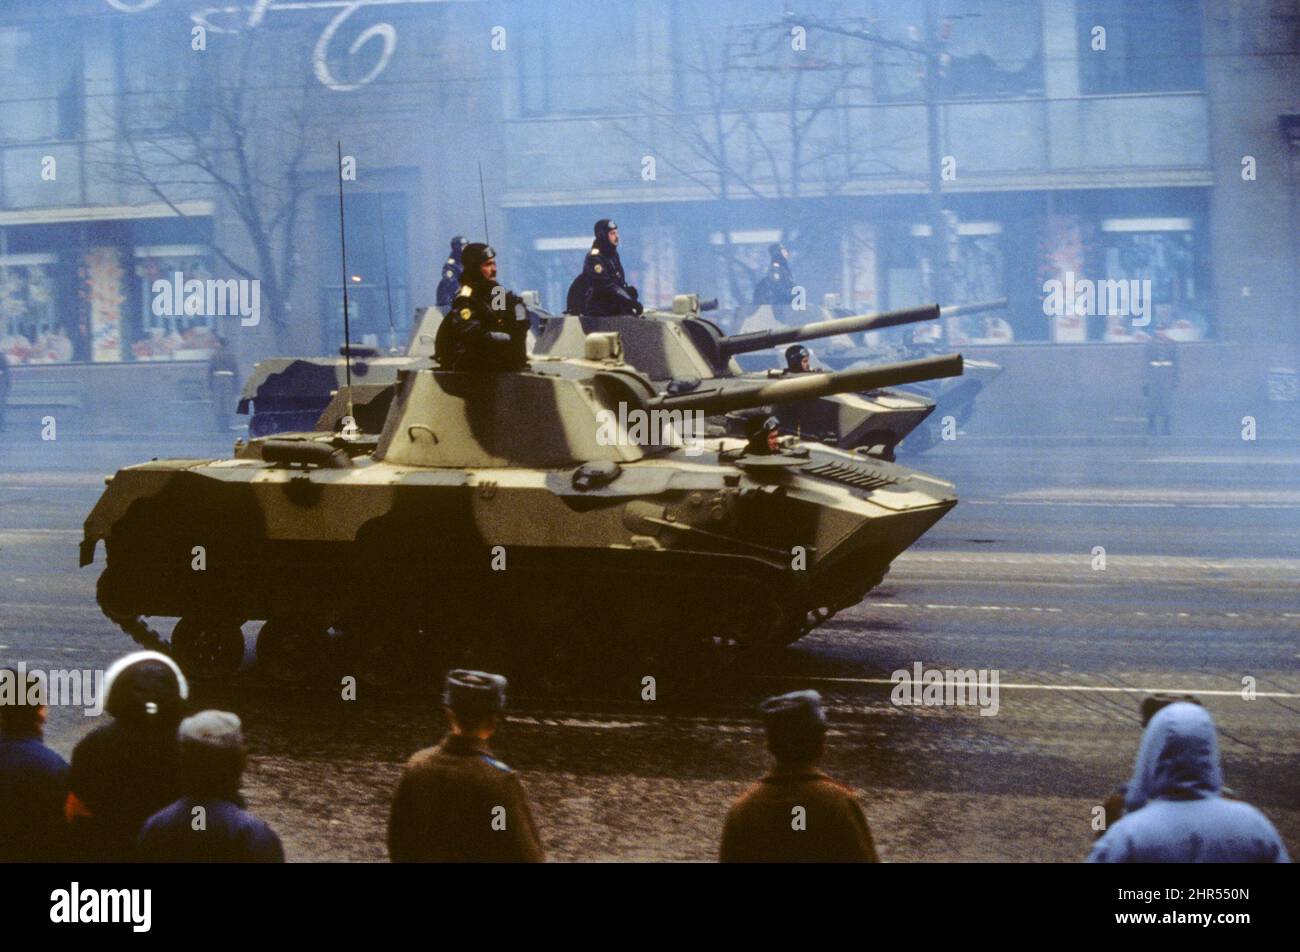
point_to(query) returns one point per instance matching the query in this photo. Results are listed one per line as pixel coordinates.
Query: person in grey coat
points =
(1174, 808)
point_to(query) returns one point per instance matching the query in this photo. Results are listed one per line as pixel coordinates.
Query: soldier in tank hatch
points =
(601, 290)
(486, 327)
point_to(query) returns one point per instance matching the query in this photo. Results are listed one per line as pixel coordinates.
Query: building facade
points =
(1138, 147)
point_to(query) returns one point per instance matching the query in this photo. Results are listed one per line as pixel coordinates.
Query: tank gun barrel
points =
(979, 307)
(761, 340)
(722, 399)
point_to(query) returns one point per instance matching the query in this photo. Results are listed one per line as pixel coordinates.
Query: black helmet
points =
(458, 243)
(777, 252)
(604, 227)
(758, 421)
(474, 254)
(795, 354)
(145, 687)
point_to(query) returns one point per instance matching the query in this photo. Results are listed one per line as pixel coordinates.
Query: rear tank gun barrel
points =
(761, 340)
(979, 307)
(715, 400)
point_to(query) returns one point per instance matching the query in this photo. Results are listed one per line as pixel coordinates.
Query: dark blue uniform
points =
(451, 272)
(33, 786)
(602, 289)
(230, 835)
(450, 282)
(475, 334)
(777, 286)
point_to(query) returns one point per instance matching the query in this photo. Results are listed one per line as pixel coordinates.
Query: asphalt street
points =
(1199, 592)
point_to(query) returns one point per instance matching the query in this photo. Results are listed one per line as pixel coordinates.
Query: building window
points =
(163, 80)
(1149, 47)
(377, 270)
(575, 58)
(41, 84)
(988, 50)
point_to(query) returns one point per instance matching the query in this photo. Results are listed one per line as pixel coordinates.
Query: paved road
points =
(1199, 591)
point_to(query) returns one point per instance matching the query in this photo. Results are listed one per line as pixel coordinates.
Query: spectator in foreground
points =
(33, 782)
(456, 802)
(125, 771)
(1174, 808)
(796, 813)
(209, 824)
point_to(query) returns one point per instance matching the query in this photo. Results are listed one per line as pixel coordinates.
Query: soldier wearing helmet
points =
(798, 359)
(602, 289)
(777, 286)
(486, 327)
(451, 269)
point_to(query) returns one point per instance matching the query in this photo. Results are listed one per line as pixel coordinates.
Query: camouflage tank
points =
(512, 508)
(953, 400)
(289, 393)
(679, 348)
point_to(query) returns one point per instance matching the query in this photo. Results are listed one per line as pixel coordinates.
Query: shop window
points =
(1155, 259)
(30, 328)
(1150, 47)
(172, 334)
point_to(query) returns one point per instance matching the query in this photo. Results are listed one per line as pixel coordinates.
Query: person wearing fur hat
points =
(456, 802)
(796, 813)
(126, 770)
(602, 289)
(209, 824)
(486, 327)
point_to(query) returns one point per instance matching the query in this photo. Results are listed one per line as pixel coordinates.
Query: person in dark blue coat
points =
(209, 824)
(33, 781)
(1174, 808)
(602, 289)
(451, 271)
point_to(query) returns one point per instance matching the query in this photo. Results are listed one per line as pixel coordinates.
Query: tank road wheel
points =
(208, 649)
(289, 649)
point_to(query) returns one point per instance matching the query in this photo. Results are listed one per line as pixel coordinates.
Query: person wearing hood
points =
(126, 770)
(33, 782)
(209, 824)
(1174, 808)
(602, 289)
(451, 271)
(486, 327)
(777, 286)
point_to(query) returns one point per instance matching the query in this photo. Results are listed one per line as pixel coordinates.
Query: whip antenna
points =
(343, 250)
(482, 197)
